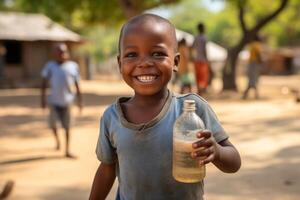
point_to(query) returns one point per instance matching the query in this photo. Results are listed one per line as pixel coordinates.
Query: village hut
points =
(25, 46)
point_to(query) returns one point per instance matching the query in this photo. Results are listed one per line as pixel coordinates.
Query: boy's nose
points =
(145, 61)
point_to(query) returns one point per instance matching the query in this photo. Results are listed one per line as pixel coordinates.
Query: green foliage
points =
(102, 42)
(223, 27)
(75, 14)
(285, 30)
(99, 20)
(184, 17)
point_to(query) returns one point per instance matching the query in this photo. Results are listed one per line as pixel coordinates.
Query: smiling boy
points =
(135, 142)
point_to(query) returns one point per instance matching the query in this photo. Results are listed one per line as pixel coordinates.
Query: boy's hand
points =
(206, 149)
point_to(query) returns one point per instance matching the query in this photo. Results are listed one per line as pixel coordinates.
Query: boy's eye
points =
(130, 55)
(159, 54)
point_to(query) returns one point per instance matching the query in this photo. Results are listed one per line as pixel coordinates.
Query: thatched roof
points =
(33, 27)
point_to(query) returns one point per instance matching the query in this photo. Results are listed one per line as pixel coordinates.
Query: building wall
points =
(35, 55)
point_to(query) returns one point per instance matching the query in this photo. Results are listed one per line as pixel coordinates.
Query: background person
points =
(63, 75)
(184, 73)
(200, 60)
(254, 67)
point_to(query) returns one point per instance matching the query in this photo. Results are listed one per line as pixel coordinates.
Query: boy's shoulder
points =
(50, 64)
(193, 96)
(71, 62)
(201, 104)
(114, 109)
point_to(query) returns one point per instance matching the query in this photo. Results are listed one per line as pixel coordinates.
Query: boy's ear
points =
(119, 63)
(176, 62)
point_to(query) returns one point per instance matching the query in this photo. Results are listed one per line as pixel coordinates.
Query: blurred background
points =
(265, 130)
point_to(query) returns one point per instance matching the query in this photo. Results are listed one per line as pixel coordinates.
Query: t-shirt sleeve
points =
(212, 123)
(105, 152)
(45, 73)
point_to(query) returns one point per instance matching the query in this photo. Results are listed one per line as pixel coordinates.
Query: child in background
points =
(254, 66)
(135, 142)
(185, 75)
(62, 74)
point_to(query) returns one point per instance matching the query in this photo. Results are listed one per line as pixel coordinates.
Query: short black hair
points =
(201, 27)
(182, 42)
(143, 18)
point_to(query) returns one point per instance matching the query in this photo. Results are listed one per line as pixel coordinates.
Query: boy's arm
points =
(43, 93)
(227, 159)
(103, 181)
(79, 96)
(223, 154)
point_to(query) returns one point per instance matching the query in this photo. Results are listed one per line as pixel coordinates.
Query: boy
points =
(62, 75)
(135, 141)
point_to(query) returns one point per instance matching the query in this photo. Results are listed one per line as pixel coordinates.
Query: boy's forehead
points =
(151, 28)
(146, 26)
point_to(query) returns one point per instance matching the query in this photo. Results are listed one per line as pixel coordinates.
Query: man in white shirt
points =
(62, 75)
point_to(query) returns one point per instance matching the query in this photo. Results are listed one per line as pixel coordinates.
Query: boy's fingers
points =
(207, 160)
(202, 143)
(203, 152)
(204, 134)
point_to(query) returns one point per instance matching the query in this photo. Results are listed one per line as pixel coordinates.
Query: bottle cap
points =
(189, 104)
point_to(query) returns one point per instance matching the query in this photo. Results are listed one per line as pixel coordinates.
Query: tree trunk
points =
(229, 75)
(128, 8)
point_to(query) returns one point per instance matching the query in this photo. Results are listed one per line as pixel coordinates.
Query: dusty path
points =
(267, 133)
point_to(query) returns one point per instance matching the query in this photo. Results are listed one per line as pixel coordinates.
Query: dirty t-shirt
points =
(143, 152)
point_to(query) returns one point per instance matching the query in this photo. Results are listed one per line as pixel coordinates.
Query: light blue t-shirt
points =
(62, 78)
(143, 152)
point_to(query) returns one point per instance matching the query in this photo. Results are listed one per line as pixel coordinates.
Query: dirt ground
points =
(265, 131)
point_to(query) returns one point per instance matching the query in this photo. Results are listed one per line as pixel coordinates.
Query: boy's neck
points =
(143, 101)
(142, 109)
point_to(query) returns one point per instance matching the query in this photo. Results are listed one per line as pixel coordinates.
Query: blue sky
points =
(211, 5)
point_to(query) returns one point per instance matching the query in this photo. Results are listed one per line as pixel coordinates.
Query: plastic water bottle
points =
(185, 168)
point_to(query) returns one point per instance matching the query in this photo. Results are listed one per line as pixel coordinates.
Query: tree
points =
(248, 34)
(96, 20)
(78, 14)
(134, 7)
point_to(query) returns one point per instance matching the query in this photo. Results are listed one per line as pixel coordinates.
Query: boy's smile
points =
(147, 56)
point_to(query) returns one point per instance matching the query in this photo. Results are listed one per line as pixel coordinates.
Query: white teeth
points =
(146, 79)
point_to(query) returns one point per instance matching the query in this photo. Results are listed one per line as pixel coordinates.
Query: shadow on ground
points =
(33, 100)
(275, 179)
(30, 159)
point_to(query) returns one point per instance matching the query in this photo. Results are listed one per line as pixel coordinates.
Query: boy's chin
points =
(148, 91)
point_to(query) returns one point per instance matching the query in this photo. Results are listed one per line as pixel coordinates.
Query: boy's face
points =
(147, 57)
(61, 53)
